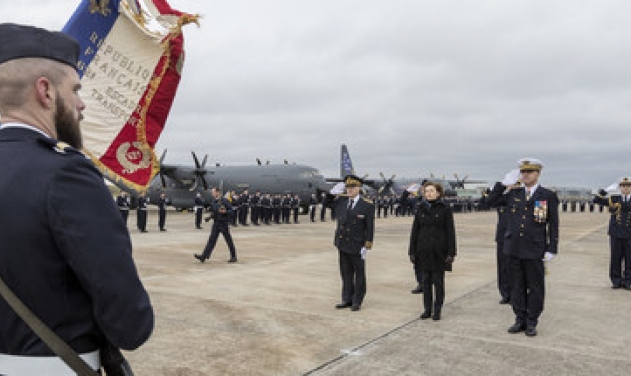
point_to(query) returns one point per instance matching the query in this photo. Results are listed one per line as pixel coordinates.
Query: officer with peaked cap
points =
(530, 238)
(619, 233)
(353, 238)
(66, 252)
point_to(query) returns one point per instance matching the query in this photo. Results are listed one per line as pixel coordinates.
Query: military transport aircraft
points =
(392, 186)
(181, 182)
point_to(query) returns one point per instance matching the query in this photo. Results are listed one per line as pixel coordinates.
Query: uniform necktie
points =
(351, 204)
(527, 194)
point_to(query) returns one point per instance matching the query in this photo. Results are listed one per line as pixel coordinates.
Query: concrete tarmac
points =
(272, 313)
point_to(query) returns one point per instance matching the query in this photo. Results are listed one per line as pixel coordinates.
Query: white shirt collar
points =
(23, 126)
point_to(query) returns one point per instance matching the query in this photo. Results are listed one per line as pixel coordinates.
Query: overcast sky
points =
(412, 86)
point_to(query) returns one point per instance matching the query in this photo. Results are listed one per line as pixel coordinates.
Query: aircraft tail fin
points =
(346, 165)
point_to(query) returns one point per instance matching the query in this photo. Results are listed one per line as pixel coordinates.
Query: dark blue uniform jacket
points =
(532, 226)
(65, 251)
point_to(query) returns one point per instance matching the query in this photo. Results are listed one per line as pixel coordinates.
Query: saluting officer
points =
(619, 233)
(141, 212)
(122, 201)
(353, 238)
(531, 236)
(221, 213)
(65, 251)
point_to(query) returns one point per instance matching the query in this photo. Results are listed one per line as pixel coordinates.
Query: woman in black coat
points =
(433, 245)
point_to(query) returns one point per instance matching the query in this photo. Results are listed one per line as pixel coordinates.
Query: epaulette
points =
(367, 200)
(58, 146)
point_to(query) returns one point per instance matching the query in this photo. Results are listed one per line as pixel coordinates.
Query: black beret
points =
(20, 41)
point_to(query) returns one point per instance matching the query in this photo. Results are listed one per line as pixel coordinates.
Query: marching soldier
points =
(141, 212)
(123, 204)
(221, 211)
(353, 239)
(531, 236)
(619, 233)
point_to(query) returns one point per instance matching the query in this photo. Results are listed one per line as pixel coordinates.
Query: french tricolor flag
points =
(130, 65)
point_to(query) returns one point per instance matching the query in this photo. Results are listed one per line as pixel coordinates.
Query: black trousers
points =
(219, 228)
(503, 272)
(162, 218)
(528, 291)
(431, 300)
(124, 214)
(353, 273)
(254, 214)
(418, 272)
(620, 261)
(295, 214)
(198, 217)
(312, 212)
(141, 220)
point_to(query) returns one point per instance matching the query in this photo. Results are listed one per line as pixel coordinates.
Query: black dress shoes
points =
(505, 301)
(531, 331)
(626, 287)
(417, 290)
(426, 315)
(616, 286)
(436, 316)
(517, 327)
(199, 257)
(355, 308)
(343, 305)
(233, 259)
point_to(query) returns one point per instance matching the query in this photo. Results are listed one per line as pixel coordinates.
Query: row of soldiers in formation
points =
(279, 208)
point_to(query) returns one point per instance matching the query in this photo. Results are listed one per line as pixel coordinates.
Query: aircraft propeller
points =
(388, 184)
(200, 171)
(459, 182)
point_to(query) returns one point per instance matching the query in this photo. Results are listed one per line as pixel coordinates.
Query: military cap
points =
(530, 164)
(352, 181)
(21, 41)
(625, 181)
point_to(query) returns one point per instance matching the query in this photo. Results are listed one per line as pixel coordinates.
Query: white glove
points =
(548, 256)
(363, 252)
(511, 177)
(413, 188)
(338, 188)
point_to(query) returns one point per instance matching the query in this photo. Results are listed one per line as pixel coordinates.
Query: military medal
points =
(541, 211)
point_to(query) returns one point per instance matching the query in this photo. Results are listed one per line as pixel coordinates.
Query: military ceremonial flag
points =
(130, 65)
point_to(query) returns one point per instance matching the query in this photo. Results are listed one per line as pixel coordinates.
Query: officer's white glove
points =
(338, 188)
(548, 256)
(363, 252)
(413, 188)
(511, 178)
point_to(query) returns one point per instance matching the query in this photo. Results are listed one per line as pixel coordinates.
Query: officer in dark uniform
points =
(285, 208)
(141, 212)
(266, 206)
(123, 204)
(353, 239)
(199, 210)
(222, 211)
(255, 208)
(295, 207)
(66, 252)
(323, 203)
(244, 207)
(619, 233)
(277, 208)
(163, 202)
(531, 236)
(313, 204)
